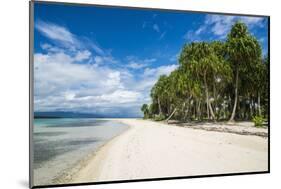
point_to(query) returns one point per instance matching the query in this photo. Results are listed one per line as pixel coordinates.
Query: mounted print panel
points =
(122, 94)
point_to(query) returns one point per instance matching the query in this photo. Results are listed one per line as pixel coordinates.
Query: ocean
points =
(60, 144)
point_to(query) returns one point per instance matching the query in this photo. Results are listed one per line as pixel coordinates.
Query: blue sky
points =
(105, 60)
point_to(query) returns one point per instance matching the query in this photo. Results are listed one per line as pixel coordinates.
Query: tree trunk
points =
(251, 108)
(212, 112)
(224, 110)
(171, 115)
(214, 95)
(159, 106)
(199, 110)
(236, 96)
(209, 107)
(208, 113)
(259, 104)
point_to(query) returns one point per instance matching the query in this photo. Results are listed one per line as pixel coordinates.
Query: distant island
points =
(69, 114)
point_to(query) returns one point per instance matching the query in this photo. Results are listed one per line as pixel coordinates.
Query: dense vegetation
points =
(214, 81)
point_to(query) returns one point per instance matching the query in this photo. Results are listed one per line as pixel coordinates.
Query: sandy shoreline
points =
(152, 150)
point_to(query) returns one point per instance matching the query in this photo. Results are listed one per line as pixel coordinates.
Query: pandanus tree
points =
(222, 74)
(265, 86)
(204, 63)
(259, 81)
(243, 49)
(145, 110)
(209, 80)
(159, 93)
(173, 93)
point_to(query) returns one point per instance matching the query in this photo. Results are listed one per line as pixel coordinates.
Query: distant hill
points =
(65, 115)
(62, 114)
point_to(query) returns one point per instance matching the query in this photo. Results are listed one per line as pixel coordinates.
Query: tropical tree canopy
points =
(214, 81)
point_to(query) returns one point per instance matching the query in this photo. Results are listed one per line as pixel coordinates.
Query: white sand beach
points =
(151, 150)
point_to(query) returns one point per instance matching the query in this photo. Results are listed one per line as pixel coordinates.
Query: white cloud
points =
(62, 84)
(61, 35)
(220, 25)
(95, 47)
(121, 96)
(105, 60)
(162, 70)
(56, 32)
(82, 55)
(136, 63)
(156, 28)
(200, 30)
(253, 20)
(192, 36)
(80, 80)
(98, 59)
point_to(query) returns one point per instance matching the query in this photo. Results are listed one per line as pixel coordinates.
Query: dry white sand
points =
(152, 150)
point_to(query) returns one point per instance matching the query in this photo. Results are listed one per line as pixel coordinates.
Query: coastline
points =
(64, 146)
(241, 128)
(153, 149)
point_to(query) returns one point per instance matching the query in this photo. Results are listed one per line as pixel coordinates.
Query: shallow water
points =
(59, 144)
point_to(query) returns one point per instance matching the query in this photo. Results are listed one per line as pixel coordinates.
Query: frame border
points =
(31, 95)
(31, 85)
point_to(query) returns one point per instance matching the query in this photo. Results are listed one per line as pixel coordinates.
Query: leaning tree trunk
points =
(209, 107)
(171, 115)
(236, 96)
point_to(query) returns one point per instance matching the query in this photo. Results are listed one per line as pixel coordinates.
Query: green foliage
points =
(208, 82)
(145, 110)
(159, 117)
(258, 120)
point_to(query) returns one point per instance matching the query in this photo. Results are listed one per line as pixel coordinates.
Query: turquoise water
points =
(73, 122)
(59, 144)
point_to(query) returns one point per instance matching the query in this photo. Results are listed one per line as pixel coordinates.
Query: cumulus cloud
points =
(82, 55)
(89, 80)
(62, 84)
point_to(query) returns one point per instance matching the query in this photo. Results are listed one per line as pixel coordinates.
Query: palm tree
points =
(145, 111)
(159, 93)
(204, 62)
(201, 85)
(242, 48)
